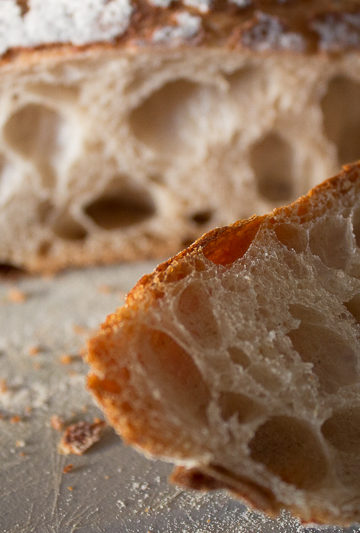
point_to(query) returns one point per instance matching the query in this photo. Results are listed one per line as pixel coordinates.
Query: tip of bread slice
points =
(239, 359)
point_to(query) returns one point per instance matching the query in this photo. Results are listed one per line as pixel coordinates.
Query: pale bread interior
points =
(251, 371)
(115, 154)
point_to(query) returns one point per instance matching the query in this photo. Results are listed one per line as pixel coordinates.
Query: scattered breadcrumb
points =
(56, 422)
(106, 477)
(66, 359)
(34, 350)
(15, 295)
(21, 454)
(105, 289)
(79, 437)
(83, 352)
(69, 488)
(3, 386)
(20, 444)
(68, 468)
(15, 419)
(80, 330)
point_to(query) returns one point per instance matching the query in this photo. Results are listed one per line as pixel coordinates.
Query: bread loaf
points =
(239, 359)
(129, 127)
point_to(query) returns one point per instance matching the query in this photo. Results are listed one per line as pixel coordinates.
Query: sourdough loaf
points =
(239, 359)
(129, 127)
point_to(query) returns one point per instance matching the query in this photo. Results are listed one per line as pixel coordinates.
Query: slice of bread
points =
(130, 127)
(239, 359)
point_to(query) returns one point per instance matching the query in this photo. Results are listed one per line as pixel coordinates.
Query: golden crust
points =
(310, 26)
(119, 399)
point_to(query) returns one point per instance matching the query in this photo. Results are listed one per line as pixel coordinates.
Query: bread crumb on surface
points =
(79, 437)
(3, 386)
(69, 488)
(34, 350)
(20, 444)
(83, 352)
(66, 359)
(15, 295)
(68, 468)
(15, 419)
(105, 289)
(56, 422)
(80, 330)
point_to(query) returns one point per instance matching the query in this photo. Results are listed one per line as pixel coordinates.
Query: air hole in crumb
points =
(341, 112)
(238, 356)
(119, 208)
(265, 377)
(44, 248)
(353, 306)
(68, 229)
(239, 405)
(342, 430)
(202, 217)
(195, 314)
(293, 237)
(271, 159)
(334, 361)
(306, 314)
(289, 448)
(174, 373)
(163, 121)
(347, 466)
(44, 211)
(8, 270)
(39, 134)
(241, 78)
(330, 239)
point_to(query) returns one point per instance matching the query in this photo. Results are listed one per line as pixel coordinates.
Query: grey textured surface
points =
(114, 489)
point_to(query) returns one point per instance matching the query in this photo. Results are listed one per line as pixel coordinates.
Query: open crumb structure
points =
(239, 359)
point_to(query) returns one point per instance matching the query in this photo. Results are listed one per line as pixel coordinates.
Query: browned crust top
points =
(300, 26)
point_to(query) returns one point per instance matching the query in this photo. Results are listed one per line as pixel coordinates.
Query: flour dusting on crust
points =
(64, 21)
(187, 26)
(201, 5)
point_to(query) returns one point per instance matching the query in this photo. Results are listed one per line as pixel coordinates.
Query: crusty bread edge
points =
(145, 292)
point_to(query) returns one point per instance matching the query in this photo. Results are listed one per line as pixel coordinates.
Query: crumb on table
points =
(79, 437)
(15, 295)
(80, 330)
(66, 359)
(3, 386)
(34, 350)
(56, 422)
(68, 468)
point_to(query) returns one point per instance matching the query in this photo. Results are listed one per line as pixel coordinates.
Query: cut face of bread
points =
(121, 154)
(239, 359)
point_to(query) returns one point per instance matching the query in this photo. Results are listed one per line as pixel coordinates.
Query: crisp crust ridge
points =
(257, 25)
